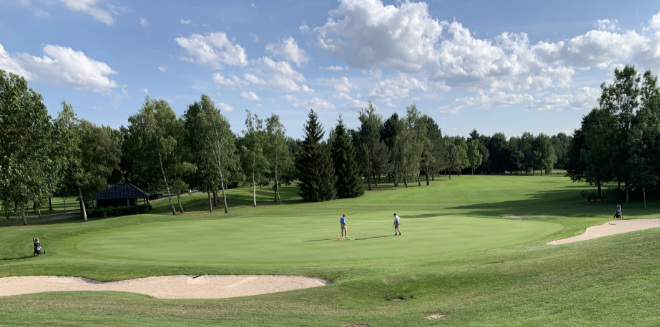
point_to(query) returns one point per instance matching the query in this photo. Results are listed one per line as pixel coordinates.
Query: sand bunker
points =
(611, 228)
(165, 287)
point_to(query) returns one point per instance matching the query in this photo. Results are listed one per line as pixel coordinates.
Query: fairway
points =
(459, 262)
(279, 241)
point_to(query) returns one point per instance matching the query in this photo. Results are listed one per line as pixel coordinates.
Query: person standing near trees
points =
(397, 222)
(344, 231)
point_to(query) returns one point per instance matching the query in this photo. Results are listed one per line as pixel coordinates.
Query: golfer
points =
(344, 231)
(397, 222)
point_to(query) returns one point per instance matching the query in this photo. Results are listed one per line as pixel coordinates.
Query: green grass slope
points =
(458, 259)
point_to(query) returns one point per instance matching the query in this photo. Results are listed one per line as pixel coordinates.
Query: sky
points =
(493, 66)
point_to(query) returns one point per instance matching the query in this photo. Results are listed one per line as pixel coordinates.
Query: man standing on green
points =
(397, 222)
(344, 231)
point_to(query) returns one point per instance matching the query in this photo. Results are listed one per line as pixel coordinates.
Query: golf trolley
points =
(37, 247)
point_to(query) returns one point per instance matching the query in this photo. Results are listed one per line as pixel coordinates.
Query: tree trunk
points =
(210, 203)
(449, 173)
(50, 204)
(368, 181)
(23, 215)
(215, 197)
(419, 179)
(64, 200)
(627, 193)
(178, 198)
(599, 190)
(83, 210)
(644, 193)
(277, 183)
(405, 179)
(167, 186)
(427, 178)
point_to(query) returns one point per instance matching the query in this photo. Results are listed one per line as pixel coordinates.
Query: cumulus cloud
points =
(306, 104)
(66, 67)
(368, 34)
(405, 38)
(486, 101)
(213, 50)
(144, 21)
(162, 68)
(225, 107)
(335, 68)
(254, 79)
(583, 98)
(185, 21)
(9, 64)
(396, 88)
(91, 7)
(248, 96)
(288, 50)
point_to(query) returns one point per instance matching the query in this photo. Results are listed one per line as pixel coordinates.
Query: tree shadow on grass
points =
(560, 202)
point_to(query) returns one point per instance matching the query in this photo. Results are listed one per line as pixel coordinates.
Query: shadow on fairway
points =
(321, 240)
(370, 238)
(425, 215)
(17, 258)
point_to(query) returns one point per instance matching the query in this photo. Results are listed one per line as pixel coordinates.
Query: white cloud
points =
(66, 67)
(306, 104)
(185, 21)
(368, 34)
(213, 50)
(335, 68)
(654, 24)
(248, 96)
(584, 98)
(254, 79)
(396, 88)
(608, 25)
(225, 107)
(162, 68)
(253, 6)
(486, 101)
(219, 79)
(288, 50)
(343, 85)
(9, 64)
(144, 21)
(282, 69)
(91, 8)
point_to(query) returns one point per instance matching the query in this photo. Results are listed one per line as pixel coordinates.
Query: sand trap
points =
(532, 216)
(611, 228)
(165, 287)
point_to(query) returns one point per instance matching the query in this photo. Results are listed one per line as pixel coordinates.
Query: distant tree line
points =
(619, 141)
(42, 157)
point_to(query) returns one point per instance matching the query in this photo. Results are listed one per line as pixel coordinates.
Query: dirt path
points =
(165, 287)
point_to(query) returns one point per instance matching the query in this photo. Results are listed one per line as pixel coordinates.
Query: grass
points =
(458, 257)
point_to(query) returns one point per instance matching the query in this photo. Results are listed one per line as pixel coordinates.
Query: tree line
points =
(42, 157)
(619, 141)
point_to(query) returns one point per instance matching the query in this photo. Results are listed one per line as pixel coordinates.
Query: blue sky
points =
(493, 66)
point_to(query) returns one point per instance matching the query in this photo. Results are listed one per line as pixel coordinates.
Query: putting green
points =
(288, 241)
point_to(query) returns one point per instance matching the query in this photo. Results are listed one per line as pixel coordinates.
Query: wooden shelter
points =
(117, 195)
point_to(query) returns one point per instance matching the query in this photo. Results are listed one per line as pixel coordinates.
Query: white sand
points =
(165, 287)
(611, 228)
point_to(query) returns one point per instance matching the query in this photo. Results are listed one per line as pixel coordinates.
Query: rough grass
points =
(458, 260)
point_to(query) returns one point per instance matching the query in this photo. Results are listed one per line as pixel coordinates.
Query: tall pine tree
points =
(349, 181)
(317, 176)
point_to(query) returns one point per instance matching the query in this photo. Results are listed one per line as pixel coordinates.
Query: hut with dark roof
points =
(117, 195)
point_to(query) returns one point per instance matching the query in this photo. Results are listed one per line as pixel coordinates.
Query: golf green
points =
(276, 241)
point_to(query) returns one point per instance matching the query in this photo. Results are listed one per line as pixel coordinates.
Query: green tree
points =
(30, 155)
(543, 153)
(475, 158)
(347, 172)
(317, 176)
(152, 139)
(212, 145)
(372, 152)
(251, 147)
(592, 150)
(277, 149)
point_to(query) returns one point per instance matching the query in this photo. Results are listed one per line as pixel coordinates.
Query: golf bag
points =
(37, 247)
(617, 213)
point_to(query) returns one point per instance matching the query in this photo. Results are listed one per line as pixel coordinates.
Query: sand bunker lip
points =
(165, 287)
(611, 228)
